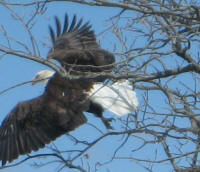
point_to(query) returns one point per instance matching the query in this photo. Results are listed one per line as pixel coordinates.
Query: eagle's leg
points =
(97, 109)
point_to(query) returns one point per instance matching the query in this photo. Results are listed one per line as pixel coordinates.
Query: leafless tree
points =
(157, 46)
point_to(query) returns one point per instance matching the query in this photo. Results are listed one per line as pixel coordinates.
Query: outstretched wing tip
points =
(75, 25)
(52, 34)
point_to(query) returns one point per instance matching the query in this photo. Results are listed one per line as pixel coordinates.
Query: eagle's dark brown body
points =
(34, 123)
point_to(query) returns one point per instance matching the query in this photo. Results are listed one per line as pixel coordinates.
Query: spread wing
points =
(76, 44)
(32, 124)
(21, 133)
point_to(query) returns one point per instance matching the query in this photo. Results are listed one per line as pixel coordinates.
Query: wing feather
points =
(36, 144)
(3, 151)
(77, 45)
(42, 135)
(52, 35)
(74, 36)
(79, 24)
(20, 132)
(72, 26)
(23, 144)
(58, 26)
(66, 24)
(32, 143)
(14, 147)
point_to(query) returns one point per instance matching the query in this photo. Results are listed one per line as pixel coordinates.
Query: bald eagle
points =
(119, 98)
(34, 123)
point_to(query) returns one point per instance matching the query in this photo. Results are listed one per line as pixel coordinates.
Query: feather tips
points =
(75, 26)
(66, 24)
(58, 27)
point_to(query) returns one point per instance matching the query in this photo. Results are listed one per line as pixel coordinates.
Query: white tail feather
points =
(118, 98)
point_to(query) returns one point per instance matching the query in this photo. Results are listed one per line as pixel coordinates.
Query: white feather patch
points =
(118, 98)
(42, 76)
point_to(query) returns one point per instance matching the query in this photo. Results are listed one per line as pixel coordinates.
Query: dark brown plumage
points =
(34, 123)
(78, 47)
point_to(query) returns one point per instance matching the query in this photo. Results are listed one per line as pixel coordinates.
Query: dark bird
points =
(119, 97)
(34, 123)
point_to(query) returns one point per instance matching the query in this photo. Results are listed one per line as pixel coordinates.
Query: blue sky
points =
(15, 70)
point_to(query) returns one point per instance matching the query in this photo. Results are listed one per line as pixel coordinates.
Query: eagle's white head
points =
(42, 76)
